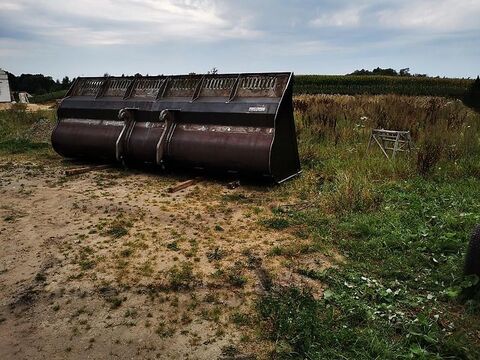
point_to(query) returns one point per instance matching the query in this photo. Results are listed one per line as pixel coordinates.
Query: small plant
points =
(126, 252)
(117, 231)
(310, 273)
(429, 154)
(237, 280)
(85, 258)
(181, 277)
(40, 277)
(276, 223)
(164, 331)
(216, 254)
(130, 313)
(118, 228)
(173, 246)
(240, 319)
(351, 193)
(115, 302)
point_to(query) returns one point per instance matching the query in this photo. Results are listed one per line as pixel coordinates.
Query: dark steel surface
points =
(235, 122)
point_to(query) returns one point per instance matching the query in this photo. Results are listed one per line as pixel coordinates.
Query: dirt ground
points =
(28, 107)
(108, 264)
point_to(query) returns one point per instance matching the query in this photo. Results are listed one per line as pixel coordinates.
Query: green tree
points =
(472, 96)
(66, 82)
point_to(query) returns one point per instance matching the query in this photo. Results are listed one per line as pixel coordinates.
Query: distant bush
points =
(49, 96)
(472, 96)
(37, 84)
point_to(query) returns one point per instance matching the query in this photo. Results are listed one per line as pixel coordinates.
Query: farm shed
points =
(4, 87)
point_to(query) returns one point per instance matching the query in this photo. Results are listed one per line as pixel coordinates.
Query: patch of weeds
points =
(276, 223)
(310, 273)
(230, 351)
(181, 277)
(276, 251)
(21, 145)
(236, 197)
(211, 298)
(9, 218)
(164, 331)
(115, 302)
(352, 192)
(85, 258)
(240, 319)
(216, 254)
(219, 228)
(117, 231)
(237, 280)
(146, 269)
(126, 252)
(40, 277)
(193, 248)
(118, 228)
(131, 313)
(212, 314)
(173, 246)
(291, 317)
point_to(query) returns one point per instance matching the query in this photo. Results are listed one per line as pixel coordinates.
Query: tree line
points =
(387, 72)
(37, 84)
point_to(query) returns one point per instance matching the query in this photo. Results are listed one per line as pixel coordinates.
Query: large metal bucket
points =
(236, 122)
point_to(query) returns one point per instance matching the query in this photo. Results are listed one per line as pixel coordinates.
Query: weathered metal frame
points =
(401, 140)
(221, 119)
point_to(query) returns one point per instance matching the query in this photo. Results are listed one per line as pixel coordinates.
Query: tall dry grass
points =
(333, 133)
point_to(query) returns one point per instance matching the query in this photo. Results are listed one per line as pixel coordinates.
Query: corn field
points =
(376, 85)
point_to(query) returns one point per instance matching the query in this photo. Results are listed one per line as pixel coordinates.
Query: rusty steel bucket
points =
(239, 123)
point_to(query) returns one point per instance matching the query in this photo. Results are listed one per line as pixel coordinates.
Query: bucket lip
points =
(98, 86)
(188, 75)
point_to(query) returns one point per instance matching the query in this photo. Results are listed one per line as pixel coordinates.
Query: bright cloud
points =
(346, 17)
(429, 15)
(108, 22)
(73, 37)
(437, 15)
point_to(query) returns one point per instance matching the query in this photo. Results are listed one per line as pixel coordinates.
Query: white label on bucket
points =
(261, 108)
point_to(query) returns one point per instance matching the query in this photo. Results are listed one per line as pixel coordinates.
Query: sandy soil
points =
(28, 107)
(108, 264)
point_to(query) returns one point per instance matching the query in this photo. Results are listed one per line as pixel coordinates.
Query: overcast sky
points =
(91, 37)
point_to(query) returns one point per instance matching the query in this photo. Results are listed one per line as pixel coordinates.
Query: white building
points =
(4, 87)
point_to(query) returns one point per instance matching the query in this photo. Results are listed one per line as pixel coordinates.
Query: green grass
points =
(402, 233)
(396, 295)
(49, 96)
(16, 136)
(18, 146)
